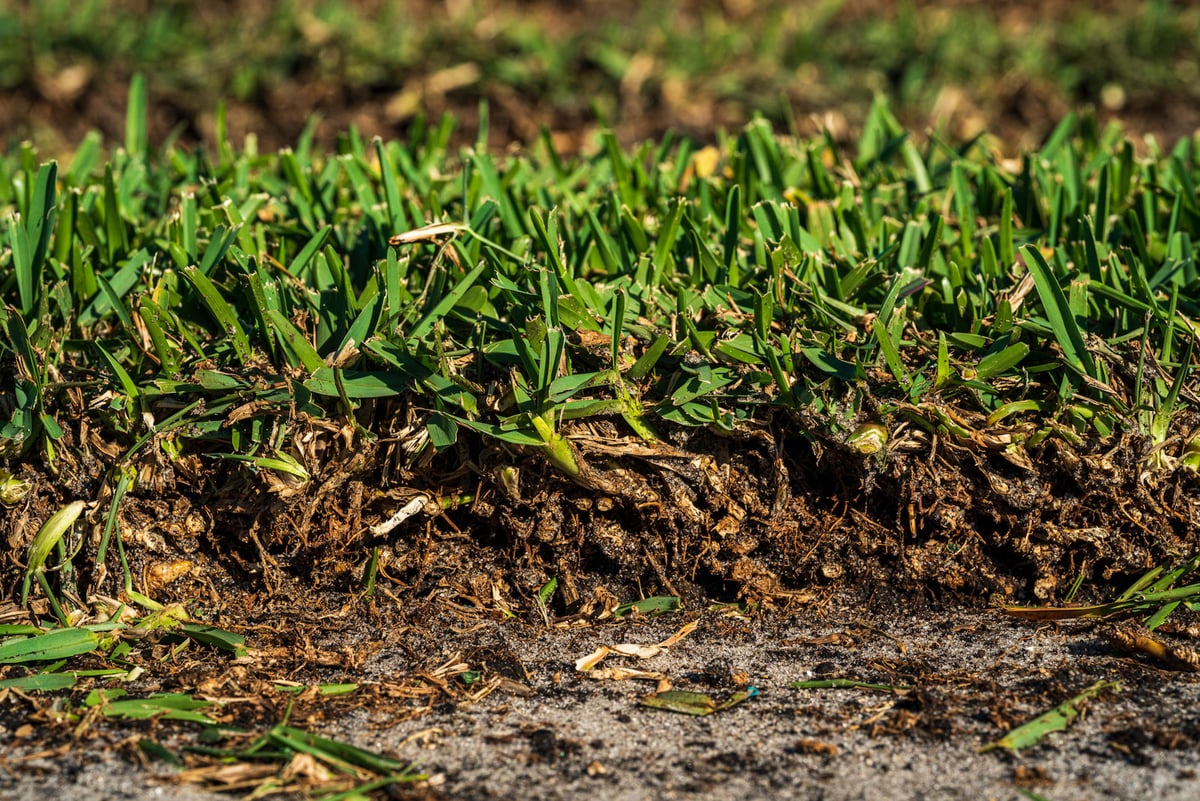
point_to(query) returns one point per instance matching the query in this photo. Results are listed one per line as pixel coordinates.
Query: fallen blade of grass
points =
(361, 792)
(336, 754)
(161, 706)
(1031, 795)
(160, 752)
(328, 690)
(49, 646)
(39, 682)
(1057, 719)
(369, 771)
(653, 606)
(694, 703)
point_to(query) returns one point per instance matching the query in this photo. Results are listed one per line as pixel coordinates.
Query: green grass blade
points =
(891, 354)
(448, 301)
(31, 241)
(222, 312)
(51, 533)
(51, 646)
(1057, 719)
(40, 682)
(136, 116)
(1068, 336)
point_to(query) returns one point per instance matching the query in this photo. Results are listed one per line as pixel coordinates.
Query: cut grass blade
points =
(39, 682)
(653, 606)
(1057, 719)
(50, 646)
(693, 703)
(159, 706)
(846, 684)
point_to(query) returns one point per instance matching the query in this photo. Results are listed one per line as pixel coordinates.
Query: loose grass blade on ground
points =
(694, 703)
(39, 682)
(50, 646)
(846, 684)
(1057, 719)
(160, 706)
(345, 770)
(656, 605)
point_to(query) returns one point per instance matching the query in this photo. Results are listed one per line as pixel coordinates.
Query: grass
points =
(193, 304)
(268, 762)
(185, 305)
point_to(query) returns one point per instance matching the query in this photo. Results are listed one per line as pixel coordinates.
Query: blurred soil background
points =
(953, 68)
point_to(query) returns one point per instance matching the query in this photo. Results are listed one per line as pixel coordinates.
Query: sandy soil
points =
(550, 731)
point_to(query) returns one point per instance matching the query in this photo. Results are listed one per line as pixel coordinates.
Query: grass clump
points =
(236, 319)
(172, 311)
(666, 286)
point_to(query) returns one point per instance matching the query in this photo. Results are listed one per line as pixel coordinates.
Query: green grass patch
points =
(199, 307)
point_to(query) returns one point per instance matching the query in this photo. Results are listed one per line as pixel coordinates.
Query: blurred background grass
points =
(955, 67)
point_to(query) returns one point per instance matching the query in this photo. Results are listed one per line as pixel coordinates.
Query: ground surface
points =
(548, 729)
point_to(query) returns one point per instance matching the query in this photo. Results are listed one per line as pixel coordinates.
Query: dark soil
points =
(748, 517)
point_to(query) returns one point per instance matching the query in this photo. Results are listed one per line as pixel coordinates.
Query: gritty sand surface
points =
(975, 672)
